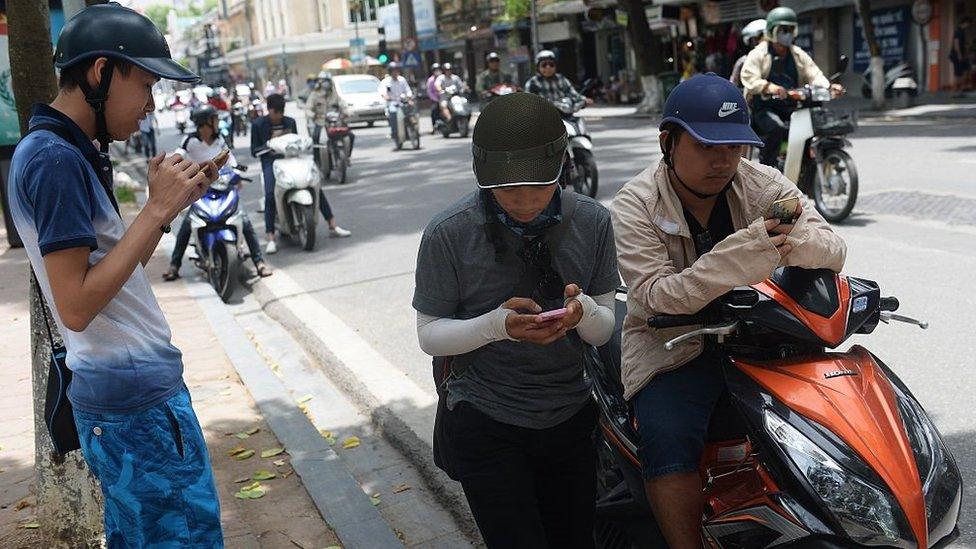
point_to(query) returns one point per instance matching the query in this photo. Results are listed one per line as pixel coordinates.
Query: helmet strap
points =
(97, 98)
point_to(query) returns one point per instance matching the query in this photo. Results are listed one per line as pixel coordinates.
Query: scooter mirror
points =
(842, 65)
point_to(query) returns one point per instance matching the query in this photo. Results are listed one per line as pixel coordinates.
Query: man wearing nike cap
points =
(135, 424)
(688, 231)
(518, 419)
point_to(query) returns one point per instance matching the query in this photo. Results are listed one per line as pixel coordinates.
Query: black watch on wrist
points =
(167, 228)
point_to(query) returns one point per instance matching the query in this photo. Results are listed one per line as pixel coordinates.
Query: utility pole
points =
(68, 500)
(535, 28)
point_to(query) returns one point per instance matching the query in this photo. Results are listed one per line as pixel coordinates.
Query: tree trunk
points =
(68, 508)
(647, 50)
(877, 62)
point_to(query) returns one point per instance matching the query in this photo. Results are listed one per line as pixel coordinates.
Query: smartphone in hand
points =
(554, 314)
(783, 209)
(221, 158)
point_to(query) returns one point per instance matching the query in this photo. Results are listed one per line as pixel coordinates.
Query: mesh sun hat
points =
(712, 110)
(519, 140)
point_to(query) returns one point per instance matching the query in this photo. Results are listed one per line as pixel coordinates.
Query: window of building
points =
(365, 10)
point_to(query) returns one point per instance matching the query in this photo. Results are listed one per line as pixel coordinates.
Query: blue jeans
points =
(270, 210)
(149, 143)
(674, 412)
(155, 475)
(391, 117)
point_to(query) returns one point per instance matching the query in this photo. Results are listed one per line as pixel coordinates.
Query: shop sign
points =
(891, 31)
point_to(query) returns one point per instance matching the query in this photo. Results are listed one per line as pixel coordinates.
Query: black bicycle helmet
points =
(202, 115)
(519, 140)
(117, 33)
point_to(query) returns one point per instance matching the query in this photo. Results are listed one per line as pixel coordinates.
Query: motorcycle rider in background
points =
(390, 89)
(264, 129)
(446, 80)
(770, 70)
(491, 77)
(687, 232)
(752, 34)
(435, 98)
(201, 146)
(550, 84)
(322, 97)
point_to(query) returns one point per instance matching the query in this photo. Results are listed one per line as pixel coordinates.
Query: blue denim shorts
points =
(673, 414)
(155, 475)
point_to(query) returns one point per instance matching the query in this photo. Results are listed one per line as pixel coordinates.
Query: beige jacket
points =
(664, 274)
(317, 105)
(759, 62)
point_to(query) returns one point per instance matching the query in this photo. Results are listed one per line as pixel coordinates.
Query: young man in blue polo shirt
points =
(138, 432)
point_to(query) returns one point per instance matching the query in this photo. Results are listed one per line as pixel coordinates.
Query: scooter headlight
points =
(866, 513)
(937, 470)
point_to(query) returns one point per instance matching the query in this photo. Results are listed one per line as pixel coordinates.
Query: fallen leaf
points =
(21, 504)
(401, 488)
(242, 436)
(374, 499)
(331, 441)
(263, 475)
(350, 443)
(252, 486)
(280, 462)
(240, 480)
(227, 376)
(244, 455)
(252, 431)
(236, 451)
(325, 433)
(288, 473)
(32, 525)
(304, 399)
(271, 452)
(225, 393)
(251, 493)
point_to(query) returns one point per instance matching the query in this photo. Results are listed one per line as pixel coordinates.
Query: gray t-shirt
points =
(520, 384)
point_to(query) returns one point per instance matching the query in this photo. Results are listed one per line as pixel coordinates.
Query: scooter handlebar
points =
(674, 321)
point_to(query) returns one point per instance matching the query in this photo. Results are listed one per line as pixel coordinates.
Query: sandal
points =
(172, 274)
(263, 270)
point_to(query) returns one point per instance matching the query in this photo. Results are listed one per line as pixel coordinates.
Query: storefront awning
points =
(803, 6)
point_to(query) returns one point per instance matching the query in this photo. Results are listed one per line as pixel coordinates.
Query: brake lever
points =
(887, 317)
(720, 330)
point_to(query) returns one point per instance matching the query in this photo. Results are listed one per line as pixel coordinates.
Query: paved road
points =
(923, 171)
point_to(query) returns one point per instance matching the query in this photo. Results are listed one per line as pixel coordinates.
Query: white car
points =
(359, 99)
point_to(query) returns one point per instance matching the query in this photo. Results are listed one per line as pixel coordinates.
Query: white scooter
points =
(297, 184)
(580, 171)
(408, 124)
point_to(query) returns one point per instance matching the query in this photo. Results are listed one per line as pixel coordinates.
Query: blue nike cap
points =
(712, 110)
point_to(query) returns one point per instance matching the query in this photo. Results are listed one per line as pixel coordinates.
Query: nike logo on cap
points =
(728, 108)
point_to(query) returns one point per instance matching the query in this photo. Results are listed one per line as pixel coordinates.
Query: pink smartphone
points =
(552, 315)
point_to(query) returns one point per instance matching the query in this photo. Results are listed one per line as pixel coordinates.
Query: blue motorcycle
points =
(217, 223)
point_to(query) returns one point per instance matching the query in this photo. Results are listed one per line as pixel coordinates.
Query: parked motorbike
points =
(217, 232)
(182, 116)
(592, 88)
(297, 184)
(408, 123)
(899, 79)
(817, 449)
(225, 125)
(579, 171)
(458, 111)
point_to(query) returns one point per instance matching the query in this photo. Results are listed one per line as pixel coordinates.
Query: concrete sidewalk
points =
(284, 518)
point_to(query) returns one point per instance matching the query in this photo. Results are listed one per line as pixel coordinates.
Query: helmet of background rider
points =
(753, 31)
(119, 34)
(712, 110)
(781, 26)
(203, 115)
(544, 55)
(518, 140)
